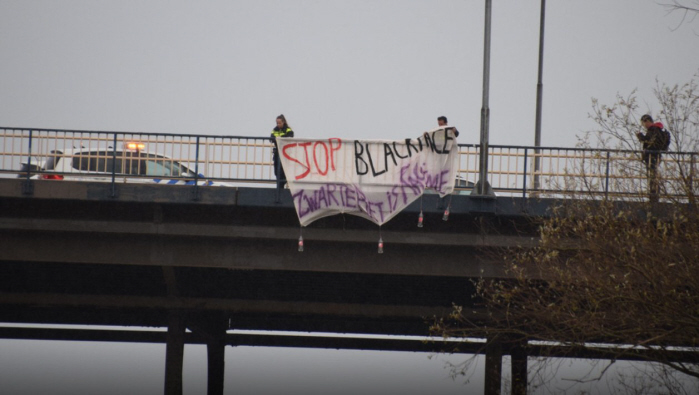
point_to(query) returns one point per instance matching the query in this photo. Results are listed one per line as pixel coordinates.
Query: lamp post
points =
(482, 186)
(539, 93)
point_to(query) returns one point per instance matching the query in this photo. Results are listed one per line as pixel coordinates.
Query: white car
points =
(130, 165)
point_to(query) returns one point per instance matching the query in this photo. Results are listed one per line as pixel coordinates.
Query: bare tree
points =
(689, 9)
(615, 279)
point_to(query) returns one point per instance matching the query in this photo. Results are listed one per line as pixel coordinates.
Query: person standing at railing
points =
(442, 121)
(652, 145)
(282, 130)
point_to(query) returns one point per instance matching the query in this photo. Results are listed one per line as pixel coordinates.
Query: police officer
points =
(282, 130)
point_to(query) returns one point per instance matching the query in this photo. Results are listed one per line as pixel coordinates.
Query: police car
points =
(131, 164)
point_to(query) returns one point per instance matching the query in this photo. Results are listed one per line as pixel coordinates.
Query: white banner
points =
(373, 179)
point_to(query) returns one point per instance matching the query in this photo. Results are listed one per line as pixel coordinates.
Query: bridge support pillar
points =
(174, 354)
(212, 329)
(493, 367)
(216, 355)
(519, 370)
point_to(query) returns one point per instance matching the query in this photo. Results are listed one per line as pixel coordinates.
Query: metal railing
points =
(30, 153)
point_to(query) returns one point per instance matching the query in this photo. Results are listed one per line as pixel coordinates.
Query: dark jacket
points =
(652, 145)
(280, 132)
(653, 139)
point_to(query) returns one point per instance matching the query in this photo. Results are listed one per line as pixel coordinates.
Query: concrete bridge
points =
(153, 256)
(214, 259)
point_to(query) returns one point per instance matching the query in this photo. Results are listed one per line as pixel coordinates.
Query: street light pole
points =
(483, 187)
(539, 93)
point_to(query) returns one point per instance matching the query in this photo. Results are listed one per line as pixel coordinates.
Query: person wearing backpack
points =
(654, 142)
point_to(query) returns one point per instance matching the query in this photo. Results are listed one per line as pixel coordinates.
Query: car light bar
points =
(135, 146)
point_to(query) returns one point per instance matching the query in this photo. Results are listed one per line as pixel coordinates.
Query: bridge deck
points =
(72, 254)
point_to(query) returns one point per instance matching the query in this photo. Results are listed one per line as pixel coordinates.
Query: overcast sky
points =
(350, 69)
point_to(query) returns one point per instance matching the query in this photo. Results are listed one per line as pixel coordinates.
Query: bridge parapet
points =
(246, 160)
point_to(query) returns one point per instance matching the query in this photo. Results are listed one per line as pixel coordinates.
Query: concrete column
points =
(212, 329)
(216, 356)
(174, 355)
(493, 367)
(519, 370)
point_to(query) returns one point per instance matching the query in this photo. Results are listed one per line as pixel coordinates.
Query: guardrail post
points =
(196, 172)
(28, 187)
(537, 169)
(606, 178)
(114, 164)
(691, 173)
(524, 174)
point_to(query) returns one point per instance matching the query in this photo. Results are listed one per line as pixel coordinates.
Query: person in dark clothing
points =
(442, 121)
(652, 144)
(282, 130)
